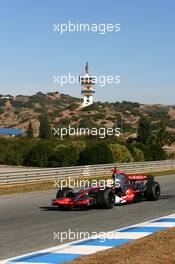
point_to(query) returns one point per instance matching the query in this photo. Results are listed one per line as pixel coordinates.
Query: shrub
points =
(13, 156)
(13, 152)
(171, 155)
(136, 153)
(96, 153)
(73, 106)
(152, 151)
(39, 154)
(1, 111)
(120, 153)
(146, 151)
(157, 152)
(64, 155)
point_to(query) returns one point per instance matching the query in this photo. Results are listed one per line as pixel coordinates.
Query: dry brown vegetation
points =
(27, 187)
(64, 109)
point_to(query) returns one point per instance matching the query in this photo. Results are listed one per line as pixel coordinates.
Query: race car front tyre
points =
(106, 199)
(64, 193)
(152, 192)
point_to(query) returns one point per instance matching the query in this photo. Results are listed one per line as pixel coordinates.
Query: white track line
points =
(67, 246)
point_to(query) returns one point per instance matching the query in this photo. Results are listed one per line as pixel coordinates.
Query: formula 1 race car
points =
(124, 189)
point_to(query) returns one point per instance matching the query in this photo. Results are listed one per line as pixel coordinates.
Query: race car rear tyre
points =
(152, 192)
(64, 193)
(64, 208)
(106, 199)
(138, 198)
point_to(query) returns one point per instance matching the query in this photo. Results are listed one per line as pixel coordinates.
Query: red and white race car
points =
(124, 189)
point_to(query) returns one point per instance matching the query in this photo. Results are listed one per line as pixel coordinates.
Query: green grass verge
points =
(163, 173)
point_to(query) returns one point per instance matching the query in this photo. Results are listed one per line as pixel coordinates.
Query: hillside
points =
(64, 110)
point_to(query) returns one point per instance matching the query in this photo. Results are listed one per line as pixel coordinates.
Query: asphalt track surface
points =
(28, 222)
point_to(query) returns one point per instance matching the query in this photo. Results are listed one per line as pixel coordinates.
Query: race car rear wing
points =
(140, 177)
(134, 177)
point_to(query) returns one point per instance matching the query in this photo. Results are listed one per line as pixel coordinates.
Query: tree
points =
(39, 154)
(145, 133)
(30, 130)
(96, 153)
(157, 152)
(44, 130)
(64, 155)
(136, 153)
(146, 149)
(164, 137)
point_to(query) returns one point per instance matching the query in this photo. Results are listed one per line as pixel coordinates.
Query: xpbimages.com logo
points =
(101, 132)
(100, 80)
(101, 28)
(82, 235)
(77, 183)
